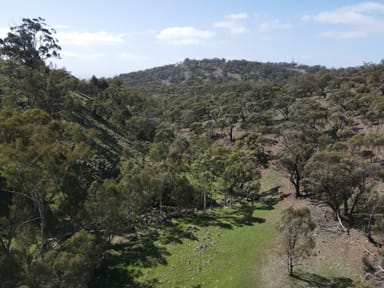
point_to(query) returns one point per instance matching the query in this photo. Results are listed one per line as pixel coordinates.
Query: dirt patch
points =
(336, 254)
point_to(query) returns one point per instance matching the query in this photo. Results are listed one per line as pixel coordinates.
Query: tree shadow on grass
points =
(270, 198)
(318, 281)
(174, 232)
(121, 277)
(243, 215)
(123, 263)
(225, 218)
(205, 220)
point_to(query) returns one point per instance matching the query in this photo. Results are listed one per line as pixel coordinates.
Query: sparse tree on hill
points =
(293, 156)
(340, 181)
(296, 227)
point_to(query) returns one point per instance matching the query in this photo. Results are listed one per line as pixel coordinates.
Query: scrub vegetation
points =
(178, 176)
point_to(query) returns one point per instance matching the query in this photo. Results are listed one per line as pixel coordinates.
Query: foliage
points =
(41, 161)
(214, 71)
(296, 151)
(30, 43)
(296, 228)
(340, 180)
(68, 264)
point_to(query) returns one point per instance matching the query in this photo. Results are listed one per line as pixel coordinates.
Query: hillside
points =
(214, 71)
(114, 182)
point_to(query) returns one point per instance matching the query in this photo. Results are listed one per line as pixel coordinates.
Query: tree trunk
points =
(5, 247)
(341, 222)
(346, 208)
(43, 221)
(205, 200)
(297, 190)
(231, 134)
(296, 181)
(290, 262)
(369, 227)
(161, 202)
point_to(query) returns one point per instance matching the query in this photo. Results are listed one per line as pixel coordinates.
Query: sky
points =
(106, 38)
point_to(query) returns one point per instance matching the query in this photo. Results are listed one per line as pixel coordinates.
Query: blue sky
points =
(106, 38)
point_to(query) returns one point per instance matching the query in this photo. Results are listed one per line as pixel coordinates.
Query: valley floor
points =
(238, 247)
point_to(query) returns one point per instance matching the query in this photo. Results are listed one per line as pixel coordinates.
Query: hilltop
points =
(215, 71)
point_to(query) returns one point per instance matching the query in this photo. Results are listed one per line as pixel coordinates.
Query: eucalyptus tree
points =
(297, 149)
(30, 43)
(341, 181)
(296, 227)
(40, 159)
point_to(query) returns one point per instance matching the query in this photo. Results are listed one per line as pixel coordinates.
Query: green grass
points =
(223, 253)
(270, 180)
(223, 248)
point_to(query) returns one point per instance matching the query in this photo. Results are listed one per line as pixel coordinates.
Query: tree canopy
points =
(30, 43)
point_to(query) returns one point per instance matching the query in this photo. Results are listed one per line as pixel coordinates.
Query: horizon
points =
(262, 62)
(106, 39)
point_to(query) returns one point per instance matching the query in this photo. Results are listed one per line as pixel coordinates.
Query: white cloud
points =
(361, 20)
(233, 23)
(353, 34)
(89, 38)
(237, 16)
(184, 35)
(72, 38)
(232, 27)
(274, 25)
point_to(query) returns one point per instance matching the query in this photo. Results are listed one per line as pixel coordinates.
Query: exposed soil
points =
(336, 254)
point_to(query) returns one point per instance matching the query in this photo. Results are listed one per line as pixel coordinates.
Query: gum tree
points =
(30, 43)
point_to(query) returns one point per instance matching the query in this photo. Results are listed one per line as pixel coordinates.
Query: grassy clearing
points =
(226, 245)
(227, 248)
(223, 248)
(219, 249)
